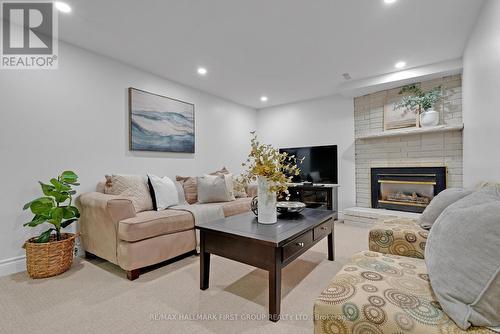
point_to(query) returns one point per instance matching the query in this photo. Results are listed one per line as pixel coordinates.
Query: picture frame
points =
(397, 118)
(159, 123)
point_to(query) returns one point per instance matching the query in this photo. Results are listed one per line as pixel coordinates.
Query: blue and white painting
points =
(158, 123)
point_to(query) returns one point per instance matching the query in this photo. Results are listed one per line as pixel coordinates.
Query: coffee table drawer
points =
(298, 244)
(322, 230)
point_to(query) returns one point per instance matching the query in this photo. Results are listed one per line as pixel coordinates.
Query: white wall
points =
(481, 99)
(322, 121)
(76, 118)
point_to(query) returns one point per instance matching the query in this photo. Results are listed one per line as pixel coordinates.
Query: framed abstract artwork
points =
(396, 118)
(159, 123)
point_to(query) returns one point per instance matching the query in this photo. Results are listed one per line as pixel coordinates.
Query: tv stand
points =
(316, 196)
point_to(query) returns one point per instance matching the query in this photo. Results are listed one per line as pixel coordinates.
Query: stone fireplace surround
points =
(437, 149)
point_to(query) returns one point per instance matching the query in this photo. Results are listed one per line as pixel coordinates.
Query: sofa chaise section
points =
(111, 229)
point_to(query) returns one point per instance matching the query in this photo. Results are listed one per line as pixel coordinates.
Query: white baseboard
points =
(18, 263)
(12, 265)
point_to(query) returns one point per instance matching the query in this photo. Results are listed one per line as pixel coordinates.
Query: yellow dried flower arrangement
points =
(266, 161)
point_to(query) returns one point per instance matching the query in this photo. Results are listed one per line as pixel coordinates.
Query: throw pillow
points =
(237, 193)
(164, 192)
(190, 186)
(439, 203)
(230, 186)
(492, 189)
(212, 188)
(463, 262)
(180, 193)
(223, 170)
(134, 187)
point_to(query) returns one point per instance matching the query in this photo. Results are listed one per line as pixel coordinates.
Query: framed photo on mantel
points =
(397, 118)
(159, 123)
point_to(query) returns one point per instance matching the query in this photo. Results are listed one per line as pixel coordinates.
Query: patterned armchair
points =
(377, 293)
(398, 236)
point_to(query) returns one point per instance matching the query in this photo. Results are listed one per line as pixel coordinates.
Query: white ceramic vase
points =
(266, 205)
(429, 118)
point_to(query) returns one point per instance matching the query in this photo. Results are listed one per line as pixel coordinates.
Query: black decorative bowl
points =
(290, 207)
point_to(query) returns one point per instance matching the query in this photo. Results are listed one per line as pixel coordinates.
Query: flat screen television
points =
(319, 166)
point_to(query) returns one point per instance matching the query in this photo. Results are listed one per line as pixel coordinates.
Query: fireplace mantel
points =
(411, 131)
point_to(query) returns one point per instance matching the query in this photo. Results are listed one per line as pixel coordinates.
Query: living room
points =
(250, 166)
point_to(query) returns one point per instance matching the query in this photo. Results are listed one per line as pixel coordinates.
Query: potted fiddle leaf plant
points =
(421, 102)
(51, 253)
(273, 171)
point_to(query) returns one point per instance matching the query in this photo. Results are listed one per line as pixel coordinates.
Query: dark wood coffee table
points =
(269, 247)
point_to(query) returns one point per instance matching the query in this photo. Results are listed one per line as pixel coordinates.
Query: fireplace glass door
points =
(406, 188)
(406, 192)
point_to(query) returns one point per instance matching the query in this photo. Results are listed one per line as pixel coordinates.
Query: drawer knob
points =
(300, 244)
(324, 228)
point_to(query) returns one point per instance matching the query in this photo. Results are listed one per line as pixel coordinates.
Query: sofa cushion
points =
(150, 224)
(463, 259)
(134, 255)
(377, 293)
(439, 203)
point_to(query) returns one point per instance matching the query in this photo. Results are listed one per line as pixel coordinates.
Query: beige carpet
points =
(95, 296)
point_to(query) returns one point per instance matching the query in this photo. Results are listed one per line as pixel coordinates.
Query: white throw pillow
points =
(165, 192)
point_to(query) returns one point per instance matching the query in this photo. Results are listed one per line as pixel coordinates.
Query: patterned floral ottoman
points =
(398, 236)
(377, 293)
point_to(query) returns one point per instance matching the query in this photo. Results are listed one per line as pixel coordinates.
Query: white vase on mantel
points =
(429, 118)
(266, 206)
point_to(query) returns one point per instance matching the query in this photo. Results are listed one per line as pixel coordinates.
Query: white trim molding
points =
(12, 265)
(379, 83)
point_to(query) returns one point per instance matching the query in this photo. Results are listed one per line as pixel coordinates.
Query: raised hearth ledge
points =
(364, 216)
(411, 131)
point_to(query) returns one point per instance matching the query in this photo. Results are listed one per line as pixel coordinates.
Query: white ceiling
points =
(289, 50)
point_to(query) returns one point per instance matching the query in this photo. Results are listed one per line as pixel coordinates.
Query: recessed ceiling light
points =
(400, 64)
(390, 1)
(263, 98)
(62, 7)
(202, 71)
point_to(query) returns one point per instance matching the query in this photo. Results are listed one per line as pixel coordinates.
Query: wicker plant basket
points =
(51, 258)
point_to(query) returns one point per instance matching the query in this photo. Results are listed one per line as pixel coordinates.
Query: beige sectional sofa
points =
(111, 229)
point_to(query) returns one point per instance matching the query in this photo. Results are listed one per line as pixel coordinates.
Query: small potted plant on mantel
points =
(421, 102)
(273, 171)
(51, 253)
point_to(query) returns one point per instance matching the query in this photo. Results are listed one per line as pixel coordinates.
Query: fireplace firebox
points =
(406, 188)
